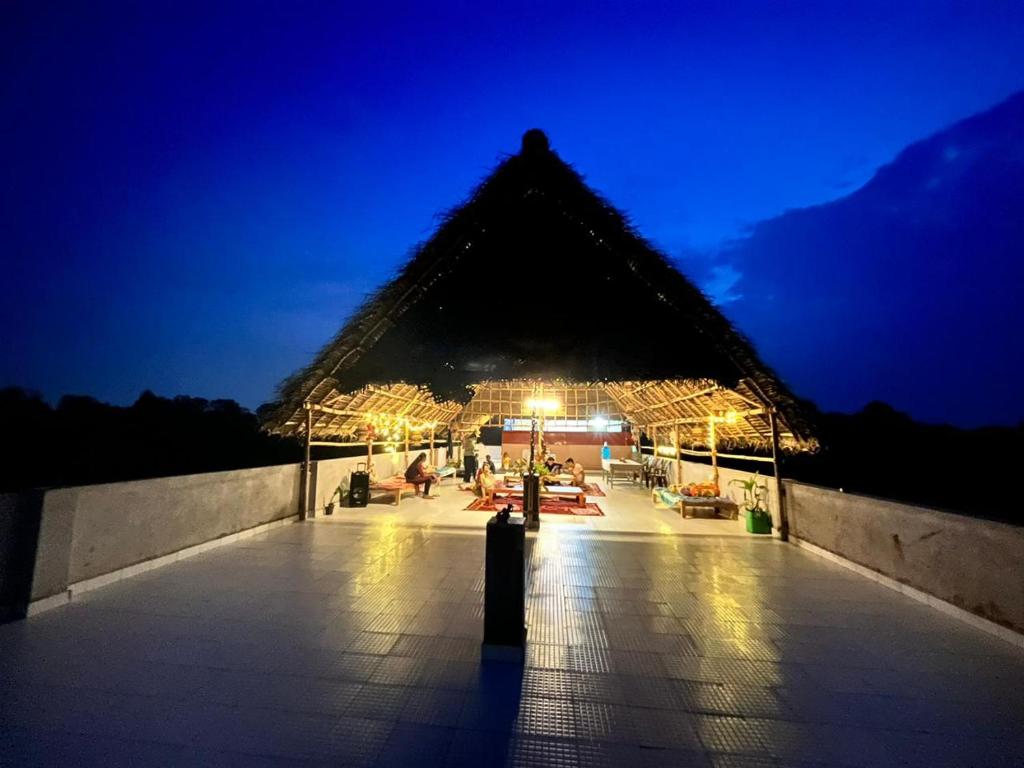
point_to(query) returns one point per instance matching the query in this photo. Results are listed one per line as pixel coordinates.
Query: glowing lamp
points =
(540, 404)
(599, 422)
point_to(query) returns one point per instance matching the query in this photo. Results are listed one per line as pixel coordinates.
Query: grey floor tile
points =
(317, 645)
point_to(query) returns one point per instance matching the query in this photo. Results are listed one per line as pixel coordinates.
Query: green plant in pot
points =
(755, 494)
(339, 494)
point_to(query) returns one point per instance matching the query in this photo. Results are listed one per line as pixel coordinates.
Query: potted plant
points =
(329, 506)
(759, 519)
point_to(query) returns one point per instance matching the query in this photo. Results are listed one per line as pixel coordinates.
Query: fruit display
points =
(700, 489)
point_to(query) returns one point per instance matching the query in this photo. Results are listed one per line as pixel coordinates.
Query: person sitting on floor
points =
(506, 461)
(579, 477)
(489, 463)
(417, 475)
(487, 482)
(552, 466)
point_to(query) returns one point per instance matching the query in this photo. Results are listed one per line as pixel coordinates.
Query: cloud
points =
(720, 283)
(713, 275)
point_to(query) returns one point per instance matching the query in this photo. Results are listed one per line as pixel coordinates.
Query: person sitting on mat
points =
(506, 461)
(487, 482)
(417, 475)
(579, 477)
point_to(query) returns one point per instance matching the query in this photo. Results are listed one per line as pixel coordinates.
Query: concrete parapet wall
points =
(19, 530)
(970, 563)
(51, 540)
(121, 524)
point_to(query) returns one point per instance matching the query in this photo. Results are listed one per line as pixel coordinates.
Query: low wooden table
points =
(723, 504)
(569, 491)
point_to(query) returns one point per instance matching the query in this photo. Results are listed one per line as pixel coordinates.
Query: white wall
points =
(330, 473)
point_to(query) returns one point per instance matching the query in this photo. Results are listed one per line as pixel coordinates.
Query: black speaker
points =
(359, 489)
(505, 583)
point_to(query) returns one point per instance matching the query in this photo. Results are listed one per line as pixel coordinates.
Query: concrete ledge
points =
(45, 604)
(990, 627)
(87, 585)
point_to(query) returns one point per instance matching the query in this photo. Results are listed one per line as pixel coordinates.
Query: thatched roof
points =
(535, 278)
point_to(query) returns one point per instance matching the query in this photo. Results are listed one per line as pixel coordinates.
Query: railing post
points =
(779, 489)
(306, 468)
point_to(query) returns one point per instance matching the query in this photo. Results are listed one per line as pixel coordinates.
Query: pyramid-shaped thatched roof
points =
(534, 278)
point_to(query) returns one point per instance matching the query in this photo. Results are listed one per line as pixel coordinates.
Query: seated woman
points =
(418, 475)
(552, 466)
(579, 477)
(487, 482)
(506, 461)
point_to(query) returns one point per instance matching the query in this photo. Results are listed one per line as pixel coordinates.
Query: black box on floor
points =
(359, 489)
(505, 589)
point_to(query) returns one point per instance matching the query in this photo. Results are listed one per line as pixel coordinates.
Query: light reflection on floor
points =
(336, 642)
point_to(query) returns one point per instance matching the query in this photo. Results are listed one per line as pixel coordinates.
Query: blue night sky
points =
(193, 200)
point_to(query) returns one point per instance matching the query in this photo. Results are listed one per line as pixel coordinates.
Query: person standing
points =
(469, 458)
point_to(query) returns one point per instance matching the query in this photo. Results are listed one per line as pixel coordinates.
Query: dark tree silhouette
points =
(84, 441)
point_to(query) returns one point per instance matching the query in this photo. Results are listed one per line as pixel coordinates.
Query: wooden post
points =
(306, 468)
(654, 443)
(433, 457)
(713, 440)
(679, 458)
(371, 434)
(540, 436)
(779, 490)
(406, 444)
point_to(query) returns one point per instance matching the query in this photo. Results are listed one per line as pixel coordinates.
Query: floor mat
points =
(547, 507)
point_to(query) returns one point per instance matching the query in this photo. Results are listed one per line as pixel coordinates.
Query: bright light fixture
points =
(599, 422)
(667, 450)
(540, 404)
(730, 417)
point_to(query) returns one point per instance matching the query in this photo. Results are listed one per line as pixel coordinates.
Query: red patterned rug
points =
(592, 489)
(547, 507)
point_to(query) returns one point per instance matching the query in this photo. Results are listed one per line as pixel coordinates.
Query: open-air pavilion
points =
(536, 299)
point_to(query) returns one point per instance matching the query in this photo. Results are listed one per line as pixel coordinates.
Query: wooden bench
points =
(394, 485)
(718, 504)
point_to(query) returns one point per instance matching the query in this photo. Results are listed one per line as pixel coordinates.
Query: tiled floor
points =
(342, 643)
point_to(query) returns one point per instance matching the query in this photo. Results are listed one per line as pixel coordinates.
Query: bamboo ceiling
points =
(741, 416)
